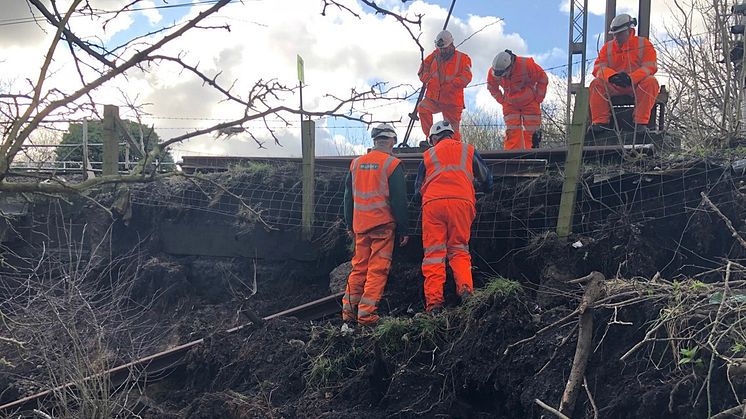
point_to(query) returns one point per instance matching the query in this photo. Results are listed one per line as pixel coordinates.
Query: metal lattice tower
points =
(577, 47)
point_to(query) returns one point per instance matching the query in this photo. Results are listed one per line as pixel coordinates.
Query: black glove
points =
(536, 138)
(621, 79)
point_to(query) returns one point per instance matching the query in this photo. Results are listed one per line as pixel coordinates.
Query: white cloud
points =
(340, 51)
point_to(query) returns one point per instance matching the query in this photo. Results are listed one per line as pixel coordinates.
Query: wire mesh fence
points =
(519, 207)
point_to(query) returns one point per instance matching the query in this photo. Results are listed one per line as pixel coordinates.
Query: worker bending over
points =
(375, 205)
(445, 182)
(445, 73)
(625, 66)
(519, 85)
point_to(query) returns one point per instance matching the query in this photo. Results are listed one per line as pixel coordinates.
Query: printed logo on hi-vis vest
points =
(369, 166)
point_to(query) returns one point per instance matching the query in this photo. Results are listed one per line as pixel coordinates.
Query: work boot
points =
(466, 296)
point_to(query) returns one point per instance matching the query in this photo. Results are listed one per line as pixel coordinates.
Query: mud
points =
(631, 223)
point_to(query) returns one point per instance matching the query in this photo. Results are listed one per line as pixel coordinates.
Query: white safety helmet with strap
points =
(443, 39)
(439, 128)
(503, 60)
(383, 131)
(621, 23)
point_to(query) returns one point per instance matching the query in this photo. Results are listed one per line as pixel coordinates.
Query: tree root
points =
(594, 291)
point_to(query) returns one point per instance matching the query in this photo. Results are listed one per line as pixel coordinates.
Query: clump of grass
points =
(326, 368)
(262, 170)
(394, 333)
(499, 286)
(496, 286)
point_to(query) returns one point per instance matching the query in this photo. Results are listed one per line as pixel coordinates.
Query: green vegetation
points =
(326, 368)
(74, 135)
(394, 333)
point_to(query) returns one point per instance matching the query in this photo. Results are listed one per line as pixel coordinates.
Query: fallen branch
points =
(725, 219)
(593, 292)
(550, 409)
(737, 411)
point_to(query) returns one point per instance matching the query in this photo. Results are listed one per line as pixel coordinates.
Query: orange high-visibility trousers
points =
(370, 270)
(451, 113)
(520, 124)
(446, 229)
(645, 94)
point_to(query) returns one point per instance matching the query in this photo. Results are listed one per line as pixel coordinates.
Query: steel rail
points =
(156, 365)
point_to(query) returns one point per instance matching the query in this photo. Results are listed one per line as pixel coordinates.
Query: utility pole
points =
(736, 57)
(577, 49)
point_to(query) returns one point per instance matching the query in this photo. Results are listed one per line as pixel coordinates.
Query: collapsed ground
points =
(633, 221)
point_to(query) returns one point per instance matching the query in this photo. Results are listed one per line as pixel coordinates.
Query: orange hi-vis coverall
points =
(444, 92)
(635, 57)
(448, 210)
(374, 224)
(520, 92)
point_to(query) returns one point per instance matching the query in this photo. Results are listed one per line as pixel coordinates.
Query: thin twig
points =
(550, 409)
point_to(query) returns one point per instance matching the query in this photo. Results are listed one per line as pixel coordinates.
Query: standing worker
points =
(445, 183)
(375, 205)
(519, 85)
(445, 73)
(625, 66)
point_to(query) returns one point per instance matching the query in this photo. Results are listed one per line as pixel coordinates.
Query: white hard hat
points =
(502, 61)
(621, 23)
(383, 130)
(443, 39)
(441, 127)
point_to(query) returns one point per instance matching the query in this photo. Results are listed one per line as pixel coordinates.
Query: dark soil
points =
(635, 222)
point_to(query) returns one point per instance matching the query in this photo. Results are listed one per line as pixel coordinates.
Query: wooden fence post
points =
(308, 145)
(110, 165)
(573, 163)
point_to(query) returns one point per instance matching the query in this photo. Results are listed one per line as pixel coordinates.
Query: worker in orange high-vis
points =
(625, 66)
(519, 85)
(375, 206)
(445, 183)
(445, 73)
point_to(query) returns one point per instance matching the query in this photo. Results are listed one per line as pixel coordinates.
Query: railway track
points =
(151, 367)
(503, 163)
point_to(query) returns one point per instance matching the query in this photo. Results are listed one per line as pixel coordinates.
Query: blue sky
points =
(340, 51)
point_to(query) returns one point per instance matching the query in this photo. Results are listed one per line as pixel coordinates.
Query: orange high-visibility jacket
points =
(370, 190)
(636, 57)
(449, 172)
(526, 83)
(446, 81)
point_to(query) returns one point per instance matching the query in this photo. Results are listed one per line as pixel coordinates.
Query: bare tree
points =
(704, 103)
(25, 109)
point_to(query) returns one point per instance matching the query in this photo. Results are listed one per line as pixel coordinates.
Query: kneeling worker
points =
(375, 205)
(446, 184)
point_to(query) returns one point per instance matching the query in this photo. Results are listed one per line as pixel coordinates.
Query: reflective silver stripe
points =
(646, 70)
(641, 46)
(368, 301)
(435, 248)
(610, 52)
(514, 127)
(523, 70)
(352, 299)
(371, 206)
(460, 247)
(449, 168)
(385, 255)
(532, 117)
(363, 313)
(458, 66)
(382, 183)
(526, 94)
(648, 64)
(432, 261)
